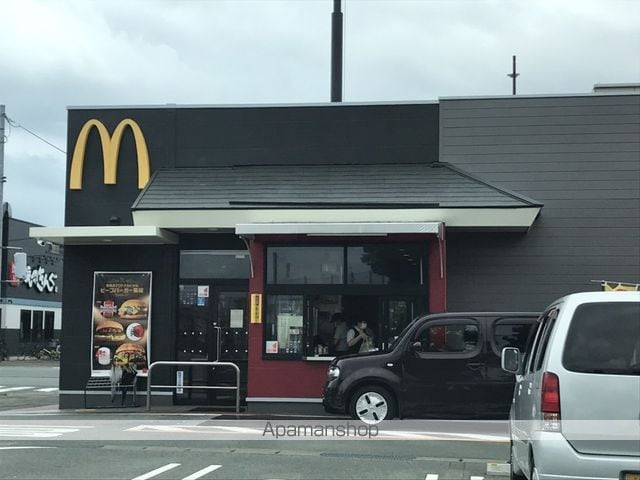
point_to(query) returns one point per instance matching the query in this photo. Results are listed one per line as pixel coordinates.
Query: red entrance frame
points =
(302, 379)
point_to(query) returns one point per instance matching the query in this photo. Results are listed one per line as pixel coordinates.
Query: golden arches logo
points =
(110, 152)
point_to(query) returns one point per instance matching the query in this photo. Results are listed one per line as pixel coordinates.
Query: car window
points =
(544, 339)
(509, 332)
(604, 338)
(534, 340)
(460, 337)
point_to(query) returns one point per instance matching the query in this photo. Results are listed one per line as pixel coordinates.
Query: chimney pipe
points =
(336, 52)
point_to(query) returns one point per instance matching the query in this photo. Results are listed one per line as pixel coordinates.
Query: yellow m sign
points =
(110, 151)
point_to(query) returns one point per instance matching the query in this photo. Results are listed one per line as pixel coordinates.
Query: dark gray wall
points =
(216, 136)
(80, 264)
(580, 156)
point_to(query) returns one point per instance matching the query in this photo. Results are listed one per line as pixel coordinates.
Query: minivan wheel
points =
(372, 405)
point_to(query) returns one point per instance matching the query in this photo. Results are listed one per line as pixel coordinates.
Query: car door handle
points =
(475, 366)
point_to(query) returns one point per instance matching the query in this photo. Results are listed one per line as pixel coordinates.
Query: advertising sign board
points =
(120, 317)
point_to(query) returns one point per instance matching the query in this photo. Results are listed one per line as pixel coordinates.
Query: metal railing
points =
(209, 387)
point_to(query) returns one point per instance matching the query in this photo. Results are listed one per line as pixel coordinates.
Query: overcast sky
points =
(56, 54)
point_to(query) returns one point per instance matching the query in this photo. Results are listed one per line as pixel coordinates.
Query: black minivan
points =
(441, 366)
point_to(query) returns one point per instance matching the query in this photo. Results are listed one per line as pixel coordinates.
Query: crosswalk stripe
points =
(203, 472)
(157, 471)
(51, 389)
(431, 476)
(13, 389)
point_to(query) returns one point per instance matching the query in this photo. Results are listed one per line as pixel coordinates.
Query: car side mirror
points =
(416, 347)
(511, 360)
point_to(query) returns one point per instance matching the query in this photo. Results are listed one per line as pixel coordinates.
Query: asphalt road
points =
(249, 460)
(37, 441)
(28, 384)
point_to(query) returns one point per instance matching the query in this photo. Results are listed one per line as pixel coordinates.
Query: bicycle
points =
(48, 354)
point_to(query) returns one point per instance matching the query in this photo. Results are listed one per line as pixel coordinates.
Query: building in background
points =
(31, 308)
(235, 233)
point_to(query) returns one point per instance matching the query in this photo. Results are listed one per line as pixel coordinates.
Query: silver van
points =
(576, 404)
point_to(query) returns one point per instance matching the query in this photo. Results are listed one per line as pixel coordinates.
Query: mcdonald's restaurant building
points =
(251, 226)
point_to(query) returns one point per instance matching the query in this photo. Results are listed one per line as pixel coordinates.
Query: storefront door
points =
(228, 342)
(212, 326)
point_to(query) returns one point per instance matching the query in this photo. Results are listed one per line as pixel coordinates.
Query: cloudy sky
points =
(56, 54)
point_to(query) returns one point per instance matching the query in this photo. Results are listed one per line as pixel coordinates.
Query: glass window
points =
(305, 265)
(541, 348)
(450, 338)
(284, 325)
(604, 338)
(37, 327)
(214, 264)
(510, 333)
(385, 264)
(25, 325)
(49, 325)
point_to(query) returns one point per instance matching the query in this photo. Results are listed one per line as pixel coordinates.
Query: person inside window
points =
(359, 338)
(340, 346)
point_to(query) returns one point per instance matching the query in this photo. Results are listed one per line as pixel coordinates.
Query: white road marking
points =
(203, 472)
(476, 478)
(194, 429)
(431, 476)
(37, 431)
(13, 389)
(157, 471)
(22, 448)
(51, 389)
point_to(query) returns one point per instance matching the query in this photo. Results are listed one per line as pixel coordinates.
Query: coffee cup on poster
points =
(103, 355)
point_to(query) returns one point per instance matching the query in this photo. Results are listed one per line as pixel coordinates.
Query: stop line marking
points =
(171, 466)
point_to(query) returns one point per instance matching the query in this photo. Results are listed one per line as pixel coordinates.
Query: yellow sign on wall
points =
(110, 152)
(256, 308)
(620, 286)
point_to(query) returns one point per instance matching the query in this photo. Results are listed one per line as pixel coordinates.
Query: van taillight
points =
(550, 406)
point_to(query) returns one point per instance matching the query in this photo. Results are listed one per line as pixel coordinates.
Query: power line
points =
(15, 124)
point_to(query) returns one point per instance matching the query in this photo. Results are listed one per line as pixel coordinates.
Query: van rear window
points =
(604, 338)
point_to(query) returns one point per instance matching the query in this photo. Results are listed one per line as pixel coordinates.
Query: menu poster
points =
(120, 319)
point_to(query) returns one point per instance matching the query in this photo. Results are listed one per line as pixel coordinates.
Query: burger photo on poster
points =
(109, 331)
(133, 309)
(133, 353)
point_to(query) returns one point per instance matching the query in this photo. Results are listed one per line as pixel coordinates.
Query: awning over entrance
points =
(227, 197)
(337, 229)
(110, 235)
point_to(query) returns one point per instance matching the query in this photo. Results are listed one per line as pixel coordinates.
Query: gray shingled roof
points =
(317, 186)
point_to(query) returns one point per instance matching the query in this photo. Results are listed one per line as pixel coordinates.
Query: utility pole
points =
(336, 52)
(513, 76)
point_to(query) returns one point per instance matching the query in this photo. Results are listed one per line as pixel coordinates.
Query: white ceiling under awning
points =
(107, 235)
(346, 228)
(495, 218)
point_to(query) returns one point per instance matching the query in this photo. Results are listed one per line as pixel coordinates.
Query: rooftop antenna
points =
(513, 76)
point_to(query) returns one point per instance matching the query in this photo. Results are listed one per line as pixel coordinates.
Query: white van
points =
(576, 403)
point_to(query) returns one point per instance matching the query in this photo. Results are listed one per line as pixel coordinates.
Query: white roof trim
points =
(120, 235)
(481, 218)
(345, 228)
